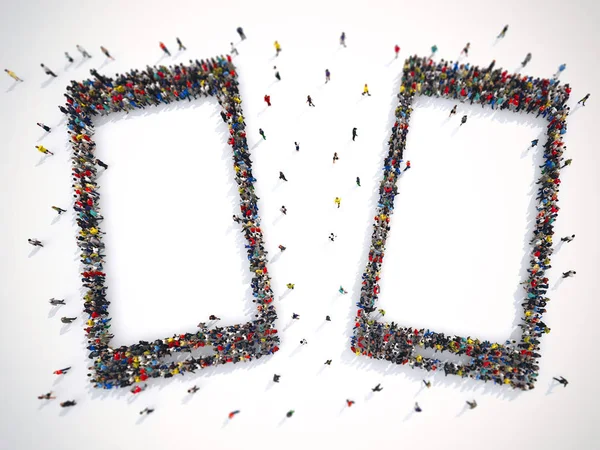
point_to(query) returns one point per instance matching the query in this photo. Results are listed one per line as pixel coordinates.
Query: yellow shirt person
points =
(12, 75)
(337, 201)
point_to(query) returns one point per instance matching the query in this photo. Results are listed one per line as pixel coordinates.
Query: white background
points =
(456, 251)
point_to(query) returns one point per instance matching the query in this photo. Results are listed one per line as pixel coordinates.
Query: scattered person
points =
(567, 238)
(282, 248)
(240, 31)
(262, 133)
(47, 396)
(366, 90)
(101, 164)
(233, 51)
(584, 99)
(290, 413)
(417, 408)
(277, 75)
(146, 411)
(396, 50)
(69, 58)
(35, 242)
(283, 209)
(290, 285)
(561, 380)
(568, 274)
(193, 390)
(466, 49)
(354, 134)
(337, 201)
(427, 384)
(48, 71)
(341, 290)
(526, 60)
(534, 142)
(267, 99)
(297, 146)
(343, 39)
(309, 101)
(83, 51)
(277, 48)
(358, 181)
(137, 389)
(350, 402)
(503, 32)
(106, 53)
(46, 128)
(16, 78)
(164, 48)
(44, 150)
(67, 403)
(327, 318)
(327, 76)
(332, 237)
(56, 302)
(463, 120)
(62, 371)
(276, 378)
(232, 414)
(303, 342)
(59, 210)
(183, 47)
(335, 157)
(68, 319)
(282, 176)
(328, 362)
(295, 316)
(567, 163)
(377, 388)
(453, 110)
(472, 405)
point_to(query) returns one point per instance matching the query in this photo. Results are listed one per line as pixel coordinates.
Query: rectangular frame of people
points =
(421, 76)
(144, 360)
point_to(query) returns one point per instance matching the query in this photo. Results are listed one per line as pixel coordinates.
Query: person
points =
(466, 49)
(83, 51)
(427, 384)
(453, 110)
(68, 319)
(213, 317)
(433, 50)
(193, 390)
(503, 32)
(354, 134)
(267, 99)
(526, 60)
(297, 146)
(164, 48)
(281, 247)
(567, 239)
(283, 209)
(59, 210)
(16, 78)
(290, 413)
(68, 403)
(377, 388)
(396, 50)
(101, 164)
(234, 51)
(350, 402)
(567, 163)
(335, 157)
(358, 181)
(277, 73)
(328, 362)
(232, 414)
(146, 411)
(62, 371)
(276, 378)
(106, 52)
(407, 166)
(534, 142)
(341, 290)
(327, 76)
(47, 396)
(290, 285)
(240, 31)
(183, 47)
(48, 71)
(282, 176)
(277, 48)
(584, 99)
(295, 316)
(381, 311)
(343, 39)
(568, 273)
(46, 128)
(55, 302)
(327, 319)
(137, 389)
(35, 242)
(303, 342)
(472, 405)
(332, 237)
(262, 133)
(366, 90)
(43, 149)
(560, 70)
(561, 380)
(69, 58)
(309, 101)
(417, 407)
(463, 120)
(337, 201)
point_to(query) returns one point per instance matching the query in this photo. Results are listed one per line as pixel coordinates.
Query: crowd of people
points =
(139, 89)
(511, 362)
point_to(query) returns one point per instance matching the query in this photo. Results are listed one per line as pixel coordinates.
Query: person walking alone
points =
(354, 134)
(106, 53)
(164, 48)
(183, 47)
(366, 90)
(16, 78)
(48, 71)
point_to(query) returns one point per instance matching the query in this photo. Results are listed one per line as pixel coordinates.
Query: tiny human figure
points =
(335, 157)
(466, 49)
(295, 316)
(358, 181)
(433, 50)
(236, 219)
(277, 75)
(568, 273)
(146, 411)
(59, 210)
(472, 405)
(350, 403)
(354, 134)
(407, 166)
(567, 238)
(427, 384)
(234, 51)
(366, 90)
(328, 362)
(267, 99)
(417, 407)
(106, 52)
(303, 342)
(47, 396)
(48, 71)
(101, 164)
(282, 248)
(83, 51)
(193, 390)
(276, 378)
(262, 133)
(561, 380)
(282, 176)
(377, 388)
(164, 48)
(283, 209)
(183, 47)
(297, 146)
(46, 128)
(381, 311)
(290, 285)
(277, 48)
(337, 201)
(68, 319)
(62, 371)
(309, 101)
(453, 110)
(567, 163)
(290, 413)
(232, 414)
(137, 389)
(327, 76)
(343, 39)
(534, 142)
(503, 32)
(240, 31)
(12, 75)
(327, 318)
(584, 99)
(213, 317)
(463, 120)
(35, 242)
(526, 60)
(332, 237)
(560, 70)
(56, 302)
(43, 149)
(341, 290)
(396, 50)
(68, 403)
